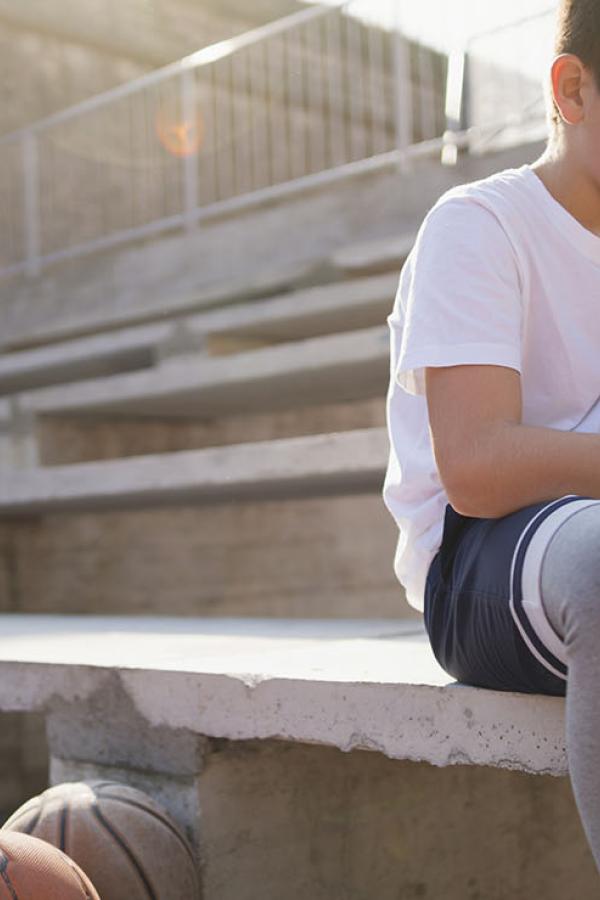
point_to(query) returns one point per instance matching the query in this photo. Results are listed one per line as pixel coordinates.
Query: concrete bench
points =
(292, 316)
(265, 677)
(333, 368)
(322, 464)
(224, 719)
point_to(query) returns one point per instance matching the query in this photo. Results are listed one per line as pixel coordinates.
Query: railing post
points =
(189, 115)
(456, 86)
(31, 203)
(403, 90)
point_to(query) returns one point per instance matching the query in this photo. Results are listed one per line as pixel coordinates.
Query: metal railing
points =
(304, 100)
(502, 94)
(240, 120)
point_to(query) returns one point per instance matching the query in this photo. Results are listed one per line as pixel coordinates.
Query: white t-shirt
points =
(500, 273)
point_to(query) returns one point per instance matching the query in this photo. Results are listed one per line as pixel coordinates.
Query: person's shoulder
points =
(471, 225)
(481, 212)
(494, 193)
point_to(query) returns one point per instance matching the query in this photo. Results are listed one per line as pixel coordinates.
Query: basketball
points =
(31, 869)
(128, 845)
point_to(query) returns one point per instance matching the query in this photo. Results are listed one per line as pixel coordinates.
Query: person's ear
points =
(568, 77)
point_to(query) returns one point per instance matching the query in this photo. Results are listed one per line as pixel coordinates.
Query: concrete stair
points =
(197, 592)
(297, 314)
(333, 368)
(314, 465)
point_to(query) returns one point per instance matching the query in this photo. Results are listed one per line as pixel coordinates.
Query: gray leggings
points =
(570, 591)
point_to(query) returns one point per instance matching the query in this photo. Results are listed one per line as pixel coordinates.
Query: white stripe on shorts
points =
(530, 579)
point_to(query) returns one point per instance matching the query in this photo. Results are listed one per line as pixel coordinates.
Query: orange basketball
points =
(129, 845)
(32, 869)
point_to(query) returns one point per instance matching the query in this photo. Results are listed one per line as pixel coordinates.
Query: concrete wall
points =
(348, 825)
(23, 759)
(64, 441)
(297, 820)
(323, 557)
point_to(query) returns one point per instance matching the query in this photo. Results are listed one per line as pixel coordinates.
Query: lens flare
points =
(180, 137)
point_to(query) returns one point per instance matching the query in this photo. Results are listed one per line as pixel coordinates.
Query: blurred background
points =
(125, 119)
(162, 158)
(205, 207)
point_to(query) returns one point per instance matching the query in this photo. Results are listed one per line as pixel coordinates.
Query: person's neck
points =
(571, 186)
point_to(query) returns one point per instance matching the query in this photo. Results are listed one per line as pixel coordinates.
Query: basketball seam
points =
(28, 828)
(37, 817)
(64, 814)
(158, 816)
(123, 843)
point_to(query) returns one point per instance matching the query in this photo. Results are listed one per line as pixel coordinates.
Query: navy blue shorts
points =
(482, 605)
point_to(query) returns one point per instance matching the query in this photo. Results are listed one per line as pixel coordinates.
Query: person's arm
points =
(490, 463)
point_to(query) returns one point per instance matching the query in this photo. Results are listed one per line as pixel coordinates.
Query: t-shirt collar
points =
(570, 227)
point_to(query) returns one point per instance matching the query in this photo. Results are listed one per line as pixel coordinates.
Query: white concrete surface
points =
(325, 464)
(339, 367)
(370, 684)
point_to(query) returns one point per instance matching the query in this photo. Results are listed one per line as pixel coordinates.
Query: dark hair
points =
(577, 31)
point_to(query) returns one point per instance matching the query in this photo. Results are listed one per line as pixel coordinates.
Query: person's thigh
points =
(569, 577)
(483, 627)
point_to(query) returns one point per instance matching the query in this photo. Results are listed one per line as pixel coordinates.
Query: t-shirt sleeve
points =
(459, 296)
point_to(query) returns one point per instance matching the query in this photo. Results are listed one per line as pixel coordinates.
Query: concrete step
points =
(320, 310)
(333, 368)
(312, 465)
(88, 357)
(112, 311)
(378, 255)
(299, 314)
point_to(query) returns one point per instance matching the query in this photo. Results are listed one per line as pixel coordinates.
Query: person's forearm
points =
(515, 465)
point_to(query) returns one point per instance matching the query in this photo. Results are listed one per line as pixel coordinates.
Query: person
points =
(493, 416)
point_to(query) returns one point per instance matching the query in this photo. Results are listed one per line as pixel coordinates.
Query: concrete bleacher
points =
(86, 357)
(312, 465)
(297, 314)
(251, 732)
(288, 709)
(377, 255)
(345, 366)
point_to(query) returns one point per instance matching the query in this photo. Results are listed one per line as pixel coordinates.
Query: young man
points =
(493, 415)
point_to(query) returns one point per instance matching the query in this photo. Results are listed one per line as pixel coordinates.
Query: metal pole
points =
(455, 92)
(189, 115)
(403, 118)
(31, 199)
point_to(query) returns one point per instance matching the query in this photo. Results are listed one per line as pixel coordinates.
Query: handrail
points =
(310, 98)
(206, 55)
